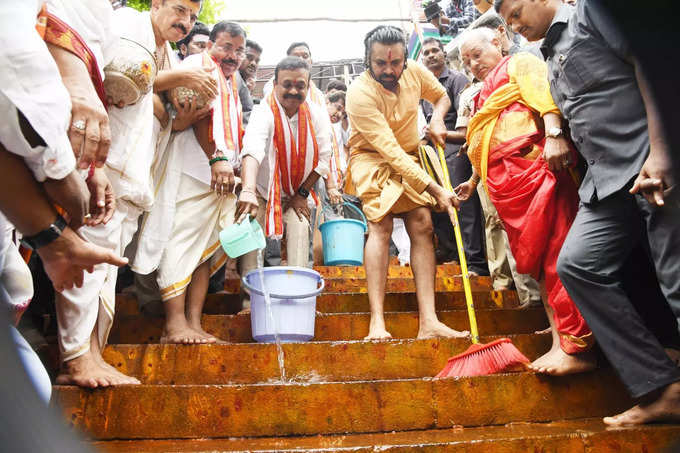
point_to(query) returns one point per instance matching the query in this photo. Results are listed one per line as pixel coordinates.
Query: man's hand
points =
(102, 198)
(436, 132)
(200, 80)
(222, 180)
(557, 153)
(299, 205)
(188, 114)
(334, 196)
(655, 177)
(66, 259)
(70, 193)
(465, 190)
(247, 205)
(89, 131)
(447, 201)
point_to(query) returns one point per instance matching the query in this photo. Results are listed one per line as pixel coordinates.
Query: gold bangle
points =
(474, 179)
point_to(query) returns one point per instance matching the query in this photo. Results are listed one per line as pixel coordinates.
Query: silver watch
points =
(553, 132)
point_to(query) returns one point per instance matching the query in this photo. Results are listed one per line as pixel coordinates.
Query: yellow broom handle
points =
(461, 253)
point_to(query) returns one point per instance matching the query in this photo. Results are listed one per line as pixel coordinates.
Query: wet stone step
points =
(396, 284)
(208, 411)
(337, 326)
(348, 302)
(574, 436)
(303, 362)
(443, 270)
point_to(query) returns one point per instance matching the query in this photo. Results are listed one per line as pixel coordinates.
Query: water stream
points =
(270, 315)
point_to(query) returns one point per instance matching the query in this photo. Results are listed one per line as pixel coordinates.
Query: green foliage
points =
(210, 12)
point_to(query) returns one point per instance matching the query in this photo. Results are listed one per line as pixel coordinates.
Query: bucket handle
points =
(251, 289)
(355, 209)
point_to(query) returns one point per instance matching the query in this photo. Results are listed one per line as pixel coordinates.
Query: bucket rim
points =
(365, 227)
(303, 270)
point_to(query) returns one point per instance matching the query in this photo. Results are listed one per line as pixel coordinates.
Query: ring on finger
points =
(79, 125)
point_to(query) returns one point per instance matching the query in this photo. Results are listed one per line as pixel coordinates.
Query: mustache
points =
(293, 96)
(229, 61)
(181, 27)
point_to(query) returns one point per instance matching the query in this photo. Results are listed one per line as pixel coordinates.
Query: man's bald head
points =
(480, 50)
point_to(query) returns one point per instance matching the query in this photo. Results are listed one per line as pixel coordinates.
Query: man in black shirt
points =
(627, 195)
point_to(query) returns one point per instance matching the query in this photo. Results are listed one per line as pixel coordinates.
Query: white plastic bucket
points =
(293, 292)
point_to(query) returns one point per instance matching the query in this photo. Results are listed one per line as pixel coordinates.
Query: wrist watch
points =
(46, 236)
(553, 132)
(304, 193)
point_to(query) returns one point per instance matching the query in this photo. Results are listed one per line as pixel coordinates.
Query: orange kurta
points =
(384, 141)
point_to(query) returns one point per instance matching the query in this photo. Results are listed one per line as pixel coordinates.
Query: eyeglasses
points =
(228, 48)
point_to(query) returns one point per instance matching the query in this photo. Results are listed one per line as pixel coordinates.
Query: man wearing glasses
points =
(198, 186)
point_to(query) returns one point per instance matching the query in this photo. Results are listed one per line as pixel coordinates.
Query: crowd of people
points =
(556, 152)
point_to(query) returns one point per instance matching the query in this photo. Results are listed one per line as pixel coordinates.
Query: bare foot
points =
(211, 338)
(558, 363)
(544, 331)
(120, 378)
(85, 371)
(378, 334)
(440, 330)
(245, 311)
(665, 408)
(185, 335)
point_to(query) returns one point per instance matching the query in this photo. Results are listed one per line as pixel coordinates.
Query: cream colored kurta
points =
(384, 141)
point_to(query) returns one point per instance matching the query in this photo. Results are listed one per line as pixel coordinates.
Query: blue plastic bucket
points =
(293, 292)
(343, 240)
(240, 238)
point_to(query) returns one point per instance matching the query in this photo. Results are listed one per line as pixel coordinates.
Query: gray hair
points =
(487, 34)
(232, 28)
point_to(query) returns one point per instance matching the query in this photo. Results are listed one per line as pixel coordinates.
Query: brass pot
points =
(131, 73)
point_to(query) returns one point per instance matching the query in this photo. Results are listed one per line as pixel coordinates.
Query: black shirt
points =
(455, 83)
(592, 80)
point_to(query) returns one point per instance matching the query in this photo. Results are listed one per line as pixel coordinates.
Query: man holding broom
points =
(382, 105)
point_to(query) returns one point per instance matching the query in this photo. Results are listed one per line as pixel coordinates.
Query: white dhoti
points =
(94, 303)
(200, 215)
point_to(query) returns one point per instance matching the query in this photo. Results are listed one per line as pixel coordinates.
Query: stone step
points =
(252, 363)
(443, 270)
(338, 326)
(584, 435)
(209, 411)
(349, 302)
(450, 282)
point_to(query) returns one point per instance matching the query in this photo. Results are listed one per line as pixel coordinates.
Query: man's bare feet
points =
(438, 329)
(86, 371)
(207, 335)
(665, 408)
(184, 335)
(556, 362)
(122, 378)
(378, 334)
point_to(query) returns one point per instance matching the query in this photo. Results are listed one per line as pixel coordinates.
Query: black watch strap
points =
(46, 236)
(304, 193)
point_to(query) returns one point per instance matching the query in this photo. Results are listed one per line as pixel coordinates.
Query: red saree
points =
(536, 205)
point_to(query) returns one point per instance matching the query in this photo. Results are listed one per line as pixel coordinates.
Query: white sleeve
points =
(30, 83)
(322, 126)
(258, 136)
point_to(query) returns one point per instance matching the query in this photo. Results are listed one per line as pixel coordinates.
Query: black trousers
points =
(591, 267)
(470, 217)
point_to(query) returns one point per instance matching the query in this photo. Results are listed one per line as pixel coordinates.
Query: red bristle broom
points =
(479, 359)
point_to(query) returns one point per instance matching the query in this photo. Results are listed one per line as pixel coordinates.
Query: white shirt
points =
(259, 140)
(30, 82)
